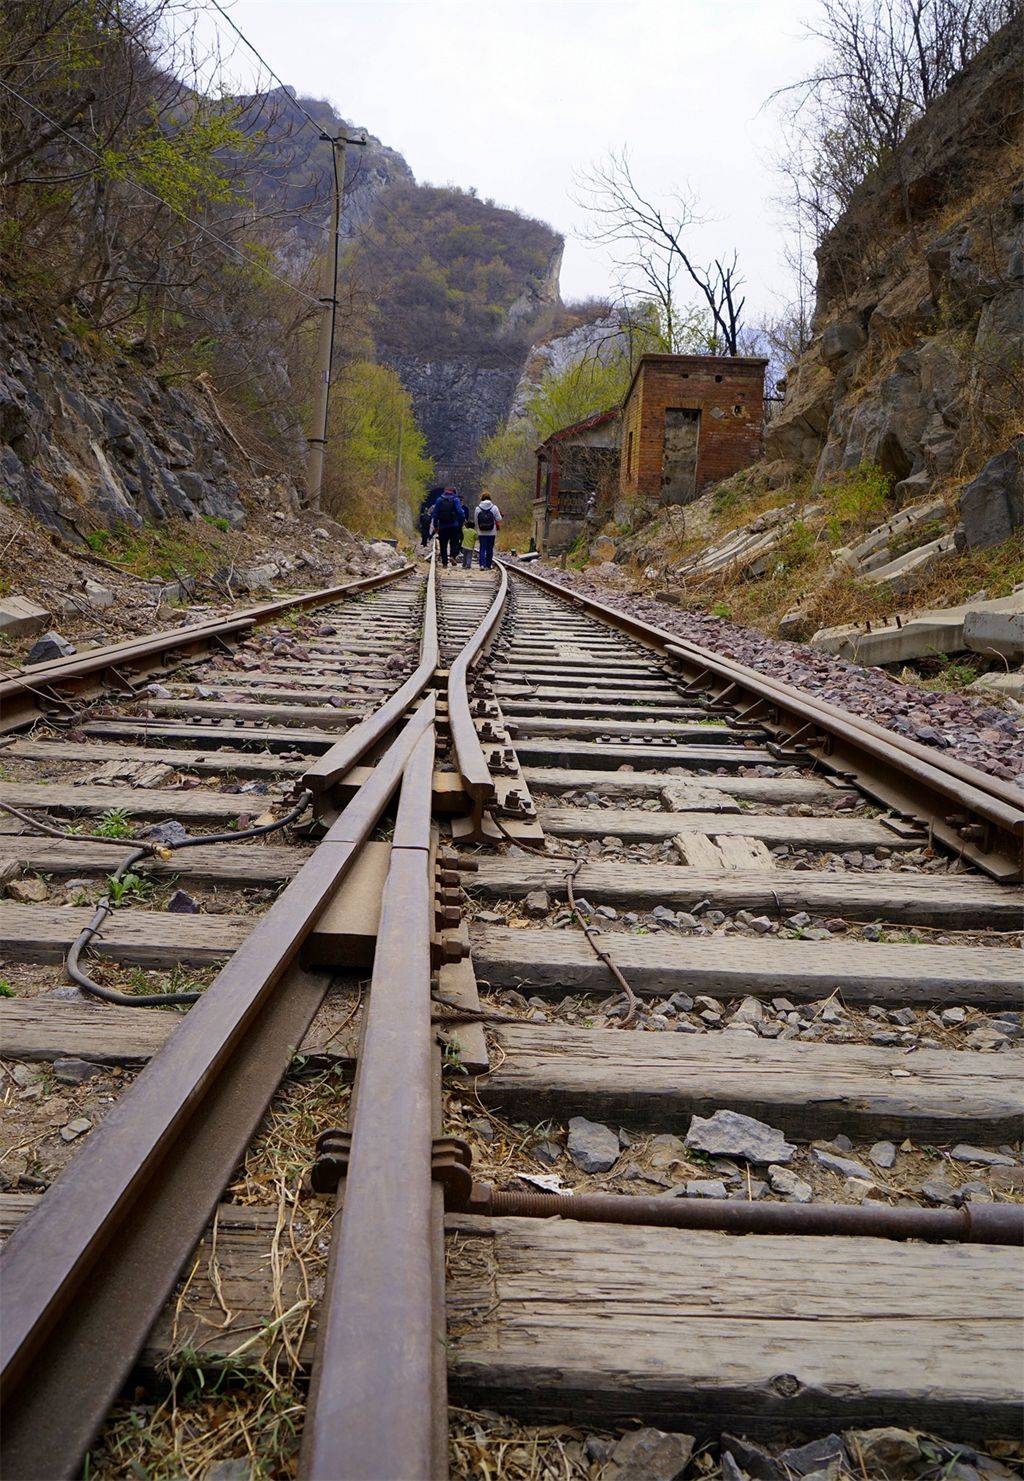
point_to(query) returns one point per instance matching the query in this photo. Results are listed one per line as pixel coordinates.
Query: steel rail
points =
(380, 1366)
(22, 685)
(476, 778)
(897, 771)
(331, 767)
(86, 1275)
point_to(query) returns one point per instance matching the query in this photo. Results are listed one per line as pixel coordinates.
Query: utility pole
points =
(325, 342)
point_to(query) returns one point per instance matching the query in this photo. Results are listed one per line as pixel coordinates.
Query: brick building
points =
(688, 421)
(577, 473)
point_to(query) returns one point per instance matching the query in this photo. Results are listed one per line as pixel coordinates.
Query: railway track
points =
(551, 1019)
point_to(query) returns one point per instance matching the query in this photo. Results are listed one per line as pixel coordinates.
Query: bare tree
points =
(652, 235)
(884, 62)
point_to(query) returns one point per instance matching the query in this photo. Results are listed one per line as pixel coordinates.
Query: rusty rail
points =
(22, 689)
(84, 1278)
(331, 767)
(380, 1361)
(974, 815)
(476, 778)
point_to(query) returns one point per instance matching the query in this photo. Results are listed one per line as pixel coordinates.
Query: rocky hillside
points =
(891, 480)
(916, 363)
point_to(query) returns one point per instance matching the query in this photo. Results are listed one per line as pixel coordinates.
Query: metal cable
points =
(632, 1005)
(106, 905)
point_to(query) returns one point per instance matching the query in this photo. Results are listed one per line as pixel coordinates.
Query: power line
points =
(264, 63)
(144, 189)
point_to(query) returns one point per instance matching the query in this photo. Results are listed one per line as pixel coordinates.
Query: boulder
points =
(20, 618)
(603, 549)
(844, 337)
(49, 647)
(992, 504)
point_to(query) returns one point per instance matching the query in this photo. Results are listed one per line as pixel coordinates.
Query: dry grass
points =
(490, 1447)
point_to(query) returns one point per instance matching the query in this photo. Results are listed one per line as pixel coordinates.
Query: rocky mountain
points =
(457, 286)
(916, 364)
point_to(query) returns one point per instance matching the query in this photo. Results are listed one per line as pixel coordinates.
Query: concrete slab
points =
(997, 631)
(19, 617)
(941, 630)
(899, 573)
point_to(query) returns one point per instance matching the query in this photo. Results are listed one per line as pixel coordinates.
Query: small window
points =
(718, 377)
(629, 455)
(737, 410)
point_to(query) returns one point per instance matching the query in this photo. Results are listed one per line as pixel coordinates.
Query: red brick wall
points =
(730, 438)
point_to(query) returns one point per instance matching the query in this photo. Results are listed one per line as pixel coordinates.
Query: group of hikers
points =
(444, 514)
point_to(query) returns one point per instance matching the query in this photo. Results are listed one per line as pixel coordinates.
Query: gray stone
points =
(649, 1455)
(937, 1190)
(49, 647)
(992, 504)
(182, 903)
(228, 1470)
(76, 1128)
(730, 1470)
(20, 618)
(705, 1188)
(841, 339)
(537, 903)
(592, 1146)
(882, 1154)
(816, 1456)
(730, 1134)
(75, 1071)
(754, 1459)
(981, 1155)
(168, 832)
(792, 1187)
(846, 1167)
(24, 1075)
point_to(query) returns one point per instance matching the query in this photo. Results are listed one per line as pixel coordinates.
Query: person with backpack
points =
(446, 522)
(487, 522)
(426, 510)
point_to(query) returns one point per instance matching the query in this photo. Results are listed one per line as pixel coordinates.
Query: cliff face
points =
(916, 362)
(89, 440)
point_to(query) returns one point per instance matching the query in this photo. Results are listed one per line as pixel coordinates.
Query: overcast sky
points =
(515, 96)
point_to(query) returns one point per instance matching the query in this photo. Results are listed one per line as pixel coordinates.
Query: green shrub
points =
(853, 498)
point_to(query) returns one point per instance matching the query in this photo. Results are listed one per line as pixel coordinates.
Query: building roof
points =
(700, 362)
(596, 419)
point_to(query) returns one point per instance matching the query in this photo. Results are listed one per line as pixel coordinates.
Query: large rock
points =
(592, 1146)
(841, 339)
(730, 1134)
(649, 1455)
(19, 617)
(992, 504)
(49, 647)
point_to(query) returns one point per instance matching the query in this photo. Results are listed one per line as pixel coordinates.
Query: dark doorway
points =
(679, 455)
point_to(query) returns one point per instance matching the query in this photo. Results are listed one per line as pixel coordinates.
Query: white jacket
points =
(490, 504)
